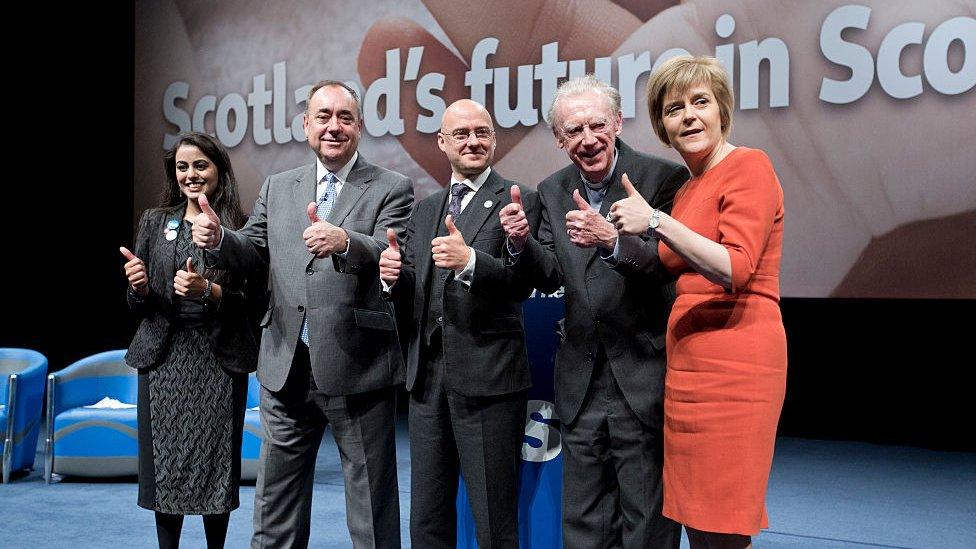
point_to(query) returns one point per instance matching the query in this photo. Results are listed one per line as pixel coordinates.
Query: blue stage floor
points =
(822, 494)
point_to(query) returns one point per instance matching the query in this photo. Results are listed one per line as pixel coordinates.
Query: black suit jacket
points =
(624, 309)
(232, 331)
(483, 337)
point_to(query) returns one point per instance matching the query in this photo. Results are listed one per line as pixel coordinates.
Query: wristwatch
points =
(654, 221)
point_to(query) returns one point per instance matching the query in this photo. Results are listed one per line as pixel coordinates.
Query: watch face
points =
(654, 221)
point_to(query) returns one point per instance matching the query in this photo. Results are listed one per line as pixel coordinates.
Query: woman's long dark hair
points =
(225, 200)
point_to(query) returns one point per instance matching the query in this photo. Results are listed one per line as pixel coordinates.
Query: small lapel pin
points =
(170, 235)
(172, 224)
(487, 203)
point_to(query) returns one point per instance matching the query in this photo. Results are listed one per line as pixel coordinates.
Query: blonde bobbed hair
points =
(683, 72)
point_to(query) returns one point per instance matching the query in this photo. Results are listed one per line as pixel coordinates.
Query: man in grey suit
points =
(610, 368)
(467, 370)
(330, 353)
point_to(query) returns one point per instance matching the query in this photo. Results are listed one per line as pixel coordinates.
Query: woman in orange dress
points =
(726, 345)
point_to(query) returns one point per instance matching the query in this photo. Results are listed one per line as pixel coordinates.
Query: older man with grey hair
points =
(330, 353)
(610, 367)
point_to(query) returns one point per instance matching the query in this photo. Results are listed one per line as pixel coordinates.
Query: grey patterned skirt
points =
(191, 416)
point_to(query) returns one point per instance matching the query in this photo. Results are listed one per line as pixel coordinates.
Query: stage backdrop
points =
(866, 108)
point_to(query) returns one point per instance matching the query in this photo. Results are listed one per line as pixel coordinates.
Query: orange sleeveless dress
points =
(726, 375)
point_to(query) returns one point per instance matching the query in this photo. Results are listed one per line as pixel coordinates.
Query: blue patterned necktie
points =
(328, 197)
(324, 207)
(458, 190)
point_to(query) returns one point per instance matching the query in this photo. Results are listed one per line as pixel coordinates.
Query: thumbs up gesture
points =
(587, 228)
(390, 261)
(631, 214)
(135, 271)
(321, 237)
(187, 283)
(206, 226)
(450, 252)
(513, 220)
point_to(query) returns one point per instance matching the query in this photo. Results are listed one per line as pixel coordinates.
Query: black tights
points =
(168, 529)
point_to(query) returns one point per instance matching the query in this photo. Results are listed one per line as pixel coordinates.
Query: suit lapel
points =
(426, 224)
(615, 192)
(303, 190)
(354, 187)
(625, 165)
(165, 250)
(481, 206)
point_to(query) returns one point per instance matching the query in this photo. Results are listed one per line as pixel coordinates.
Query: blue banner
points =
(540, 489)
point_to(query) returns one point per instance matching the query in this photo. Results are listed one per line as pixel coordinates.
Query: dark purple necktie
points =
(457, 194)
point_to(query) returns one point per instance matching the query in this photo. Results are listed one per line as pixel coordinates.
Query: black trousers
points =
(612, 488)
(480, 436)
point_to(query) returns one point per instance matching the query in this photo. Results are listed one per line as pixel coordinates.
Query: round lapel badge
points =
(170, 235)
(487, 203)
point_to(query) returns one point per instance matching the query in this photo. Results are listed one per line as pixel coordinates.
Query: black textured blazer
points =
(232, 330)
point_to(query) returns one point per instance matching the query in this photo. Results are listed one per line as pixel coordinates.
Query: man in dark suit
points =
(610, 368)
(330, 353)
(467, 370)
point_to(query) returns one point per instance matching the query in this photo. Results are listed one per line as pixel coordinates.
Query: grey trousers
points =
(294, 420)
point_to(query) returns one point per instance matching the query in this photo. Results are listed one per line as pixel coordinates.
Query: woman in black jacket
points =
(194, 348)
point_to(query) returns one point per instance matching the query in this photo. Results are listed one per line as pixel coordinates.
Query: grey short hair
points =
(580, 85)
(335, 83)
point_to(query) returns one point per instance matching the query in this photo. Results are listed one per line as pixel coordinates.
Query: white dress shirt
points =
(466, 275)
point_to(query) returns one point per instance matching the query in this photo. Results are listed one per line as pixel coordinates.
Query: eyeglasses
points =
(462, 135)
(572, 133)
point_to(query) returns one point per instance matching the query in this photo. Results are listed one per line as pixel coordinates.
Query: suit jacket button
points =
(309, 271)
(440, 320)
(301, 308)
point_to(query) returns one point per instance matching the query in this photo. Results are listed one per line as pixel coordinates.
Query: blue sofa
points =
(94, 442)
(22, 374)
(99, 442)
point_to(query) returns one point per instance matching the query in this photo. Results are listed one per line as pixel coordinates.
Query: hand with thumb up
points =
(322, 239)
(586, 228)
(630, 215)
(390, 260)
(206, 226)
(513, 220)
(187, 283)
(450, 252)
(135, 271)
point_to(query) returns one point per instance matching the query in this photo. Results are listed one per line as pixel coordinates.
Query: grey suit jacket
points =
(353, 342)
(625, 308)
(484, 339)
(231, 331)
